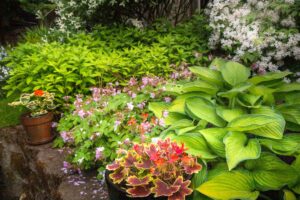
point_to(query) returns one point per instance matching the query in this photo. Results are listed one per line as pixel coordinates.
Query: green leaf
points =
(296, 166)
(196, 145)
(230, 114)
(289, 87)
(173, 118)
(179, 103)
(230, 185)
(214, 137)
(209, 75)
(158, 107)
(239, 148)
(267, 93)
(199, 86)
(234, 73)
(203, 109)
(290, 113)
(269, 77)
(217, 63)
(235, 90)
(288, 145)
(288, 195)
(249, 100)
(271, 173)
(270, 126)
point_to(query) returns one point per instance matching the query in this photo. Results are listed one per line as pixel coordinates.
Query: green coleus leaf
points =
(271, 173)
(269, 77)
(158, 107)
(209, 75)
(239, 148)
(288, 145)
(291, 113)
(179, 103)
(196, 145)
(270, 126)
(230, 185)
(201, 108)
(230, 114)
(234, 73)
(214, 138)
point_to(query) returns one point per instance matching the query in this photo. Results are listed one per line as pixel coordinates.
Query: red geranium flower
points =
(38, 93)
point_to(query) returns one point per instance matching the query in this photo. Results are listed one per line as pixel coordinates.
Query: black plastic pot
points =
(117, 193)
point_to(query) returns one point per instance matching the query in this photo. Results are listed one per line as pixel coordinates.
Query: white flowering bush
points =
(262, 33)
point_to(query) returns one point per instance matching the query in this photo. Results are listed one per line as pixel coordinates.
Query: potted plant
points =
(38, 122)
(152, 171)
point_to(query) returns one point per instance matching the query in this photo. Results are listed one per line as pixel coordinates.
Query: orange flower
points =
(132, 121)
(38, 93)
(144, 116)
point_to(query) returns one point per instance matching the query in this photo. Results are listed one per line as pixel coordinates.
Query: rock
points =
(35, 172)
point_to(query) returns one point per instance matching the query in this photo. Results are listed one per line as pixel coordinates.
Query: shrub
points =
(240, 126)
(262, 33)
(106, 55)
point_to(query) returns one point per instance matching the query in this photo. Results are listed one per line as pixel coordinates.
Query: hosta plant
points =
(39, 102)
(241, 126)
(161, 169)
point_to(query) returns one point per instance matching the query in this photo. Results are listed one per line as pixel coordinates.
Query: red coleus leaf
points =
(113, 166)
(143, 164)
(139, 149)
(136, 181)
(177, 149)
(153, 153)
(119, 175)
(144, 116)
(132, 121)
(38, 93)
(183, 191)
(139, 191)
(173, 158)
(163, 189)
(192, 169)
(129, 160)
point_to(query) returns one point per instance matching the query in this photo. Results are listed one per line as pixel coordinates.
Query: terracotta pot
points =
(38, 129)
(117, 193)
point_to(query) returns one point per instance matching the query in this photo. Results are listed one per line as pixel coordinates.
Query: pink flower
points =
(54, 124)
(99, 153)
(141, 105)
(168, 99)
(130, 106)
(161, 122)
(132, 81)
(145, 81)
(66, 136)
(165, 113)
(133, 95)
(152, 95)
(81, 113)
(117, 123)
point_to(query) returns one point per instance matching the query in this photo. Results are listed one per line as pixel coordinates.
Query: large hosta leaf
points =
(265, 92)
(235, 90)
(239, 148)
(270, 126)
(288, 145)
(271, 173)
(158, 107)
(291, 113)
(203, 109)
(296, 166)
(230, 185)
(249, 100)
(173, 117)
(269, 77)
(217, 63)
(179, 103)
(234, 73)
(209, 75)
(196, 145)
(214, 138)
(230, 114)
(289, 87)
(288, 195)
(200, 86)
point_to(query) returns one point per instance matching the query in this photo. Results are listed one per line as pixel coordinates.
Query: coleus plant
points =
(162, 169)
(241, 126)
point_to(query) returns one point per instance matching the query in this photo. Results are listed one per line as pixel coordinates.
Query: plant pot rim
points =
(32, 121)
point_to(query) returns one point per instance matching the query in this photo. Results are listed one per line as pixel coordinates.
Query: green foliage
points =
(108, 54)
(243, 121)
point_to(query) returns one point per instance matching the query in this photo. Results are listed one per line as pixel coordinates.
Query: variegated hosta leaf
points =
(200, 86)
(288, 195)
(234, 73)
(214, 138)
(249, 100)
(271, 76)
(296, 166)
(289, 87)
(288, 145)
(271, 173)
(269, 126)
(265, 92)
(239, 148)
(235, 90)
(174, 117)
(201, 108)
(230, 185)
